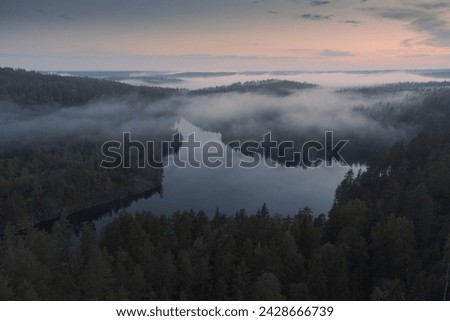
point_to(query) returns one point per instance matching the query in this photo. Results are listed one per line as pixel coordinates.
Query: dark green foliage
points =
(266, 287)
(61, 177)
(374, 245)
(424, 106)
(59, 174)
(187, 256)
(266, 87)
(29, 88)
(399, 229)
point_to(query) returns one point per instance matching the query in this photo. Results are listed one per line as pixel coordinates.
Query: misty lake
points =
(284, 190)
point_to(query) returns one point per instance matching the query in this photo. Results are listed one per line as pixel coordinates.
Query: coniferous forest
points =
(386, 237)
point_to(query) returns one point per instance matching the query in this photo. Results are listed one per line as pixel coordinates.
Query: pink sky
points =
(224, 35)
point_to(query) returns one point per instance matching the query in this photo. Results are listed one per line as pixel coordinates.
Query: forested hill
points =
(394, 220)
(385, 89)
(29, 88)
(275, 87)
(48, 172)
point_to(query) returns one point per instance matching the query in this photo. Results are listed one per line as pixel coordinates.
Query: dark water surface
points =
(284, 190)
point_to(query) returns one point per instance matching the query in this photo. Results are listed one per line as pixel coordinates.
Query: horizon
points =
(196, 80)
(187, 71)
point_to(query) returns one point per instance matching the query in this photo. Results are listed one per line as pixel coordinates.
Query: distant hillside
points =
(29, 88)
(201, 74)
(396, 87)
(270, 87)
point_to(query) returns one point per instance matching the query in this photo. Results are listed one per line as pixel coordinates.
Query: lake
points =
(284, 190)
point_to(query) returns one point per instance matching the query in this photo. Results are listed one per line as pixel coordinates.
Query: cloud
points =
(316, 3)
(353, 22)
(408, 43)
(436, 27)
(426, 18)
(335, 53)
(433, 6)
(272, 12)
(65, 17)
(315, 17)
(398, 14)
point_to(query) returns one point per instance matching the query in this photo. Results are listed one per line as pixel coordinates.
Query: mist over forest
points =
(370, 117)
(384, 237)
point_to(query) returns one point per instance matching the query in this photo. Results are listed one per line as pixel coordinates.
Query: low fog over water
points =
(327, 79)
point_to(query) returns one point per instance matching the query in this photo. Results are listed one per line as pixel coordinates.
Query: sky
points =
(225, 35)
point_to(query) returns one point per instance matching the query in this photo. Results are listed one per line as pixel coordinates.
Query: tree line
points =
(32, 89)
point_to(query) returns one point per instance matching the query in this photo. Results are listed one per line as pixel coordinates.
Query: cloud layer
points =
(131, 35)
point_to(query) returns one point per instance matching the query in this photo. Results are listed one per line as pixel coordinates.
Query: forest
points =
(30, 88)
(386, 237)
(268, 87)
(51, 173)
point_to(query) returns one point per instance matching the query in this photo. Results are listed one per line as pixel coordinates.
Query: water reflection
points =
(284, 190)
